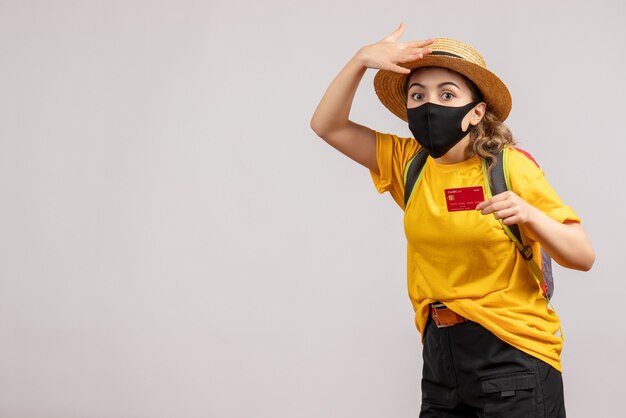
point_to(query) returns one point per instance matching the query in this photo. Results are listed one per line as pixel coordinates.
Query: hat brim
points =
(390, 86)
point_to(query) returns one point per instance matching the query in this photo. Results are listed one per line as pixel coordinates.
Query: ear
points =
(477, 113)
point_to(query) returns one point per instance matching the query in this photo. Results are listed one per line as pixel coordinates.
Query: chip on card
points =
(464, 198)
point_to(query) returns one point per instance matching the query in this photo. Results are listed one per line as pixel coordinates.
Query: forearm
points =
(567, 243)
(333, 111)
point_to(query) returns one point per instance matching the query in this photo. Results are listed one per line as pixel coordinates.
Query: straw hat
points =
(454, 55)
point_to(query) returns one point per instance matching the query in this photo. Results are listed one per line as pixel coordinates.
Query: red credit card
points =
(464, 198)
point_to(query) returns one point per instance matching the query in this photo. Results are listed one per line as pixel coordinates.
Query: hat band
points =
(447, 54)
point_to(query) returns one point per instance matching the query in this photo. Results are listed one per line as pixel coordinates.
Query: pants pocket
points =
(510, 395)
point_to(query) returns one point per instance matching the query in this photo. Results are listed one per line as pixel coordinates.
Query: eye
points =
(447, 95)
(417, 96)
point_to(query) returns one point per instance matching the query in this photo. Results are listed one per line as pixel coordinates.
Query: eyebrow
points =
(439, 86)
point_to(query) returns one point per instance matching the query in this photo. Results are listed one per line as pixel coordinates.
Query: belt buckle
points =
(440, 322)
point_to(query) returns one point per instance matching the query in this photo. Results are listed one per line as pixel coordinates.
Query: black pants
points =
(469, 372)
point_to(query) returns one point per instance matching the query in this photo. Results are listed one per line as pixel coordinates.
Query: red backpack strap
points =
(527, 154)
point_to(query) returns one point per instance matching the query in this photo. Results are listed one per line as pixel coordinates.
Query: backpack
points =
(496, 183)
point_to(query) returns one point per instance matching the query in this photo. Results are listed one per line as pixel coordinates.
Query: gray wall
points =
(176, 242)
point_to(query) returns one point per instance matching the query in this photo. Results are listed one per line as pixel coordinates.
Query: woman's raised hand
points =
(331, 118)
(387, 53)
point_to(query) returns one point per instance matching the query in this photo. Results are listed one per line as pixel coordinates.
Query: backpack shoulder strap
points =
(498, 182)
(413, 172)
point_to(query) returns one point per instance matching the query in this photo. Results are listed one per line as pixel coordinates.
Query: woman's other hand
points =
(508, 207)
(567, 242)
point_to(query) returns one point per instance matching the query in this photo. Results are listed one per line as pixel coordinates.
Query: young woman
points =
(490, 339)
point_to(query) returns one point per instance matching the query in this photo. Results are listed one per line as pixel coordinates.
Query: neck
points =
(457, 154)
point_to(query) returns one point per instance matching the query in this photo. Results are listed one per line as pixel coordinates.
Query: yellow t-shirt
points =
(463, 258)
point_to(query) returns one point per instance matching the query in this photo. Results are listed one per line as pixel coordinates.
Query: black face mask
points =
(438, 128)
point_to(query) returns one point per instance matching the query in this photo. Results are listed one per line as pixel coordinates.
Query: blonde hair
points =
(488, 138)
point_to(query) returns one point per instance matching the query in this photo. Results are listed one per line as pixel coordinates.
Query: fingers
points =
(503, 196)
(409, 57)
(411, 54)
(413, 48)
(497, 198)
(483, 205)
(389, 54)
(493, 204)
(396, 34)
(508, 215)
(512, 220)
(398, 69)
(403, 57)
(504, 213)
(507, 207)
(500, 207)
(421, 44)
(407, 49)
(489, 206)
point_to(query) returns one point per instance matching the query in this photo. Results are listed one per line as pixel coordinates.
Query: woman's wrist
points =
(531, 224)
(362, 58)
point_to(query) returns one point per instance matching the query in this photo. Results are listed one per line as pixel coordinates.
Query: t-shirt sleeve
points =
(528, 181)
(392, 155)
